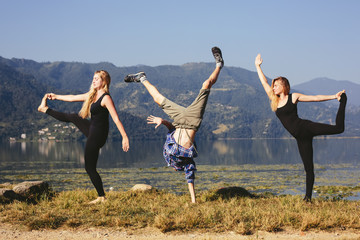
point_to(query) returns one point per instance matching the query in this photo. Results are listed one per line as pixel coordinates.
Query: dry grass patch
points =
(216, 211)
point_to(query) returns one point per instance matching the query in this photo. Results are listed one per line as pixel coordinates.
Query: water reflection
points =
(48, 155)
(276, 151)
(23, 147)
(145, 154)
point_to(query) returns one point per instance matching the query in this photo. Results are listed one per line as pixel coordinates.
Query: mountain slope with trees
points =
(237, 108)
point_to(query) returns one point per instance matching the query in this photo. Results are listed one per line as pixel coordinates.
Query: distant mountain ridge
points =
(326, 86)
(237, 108)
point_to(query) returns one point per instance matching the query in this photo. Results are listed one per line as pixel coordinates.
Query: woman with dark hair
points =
(97, 105)
(284, 104)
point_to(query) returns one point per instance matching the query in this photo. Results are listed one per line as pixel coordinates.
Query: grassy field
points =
(272, 201)
(216, 211)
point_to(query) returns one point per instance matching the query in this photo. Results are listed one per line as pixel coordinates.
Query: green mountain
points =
(237, 107)
(329, 86)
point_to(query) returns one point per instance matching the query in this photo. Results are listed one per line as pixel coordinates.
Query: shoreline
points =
(121, 179)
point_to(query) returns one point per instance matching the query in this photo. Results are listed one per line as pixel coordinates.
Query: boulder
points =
(31, 188)
(141, 187)
(230, 192)
(8, 195)
(5, 185)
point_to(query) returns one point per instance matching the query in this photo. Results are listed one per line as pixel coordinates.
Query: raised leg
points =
(208, 83)
(156, 95)
(219, 65)
(141, 77)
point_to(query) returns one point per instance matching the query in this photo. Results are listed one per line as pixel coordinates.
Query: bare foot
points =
(43, 105)
(98, 200)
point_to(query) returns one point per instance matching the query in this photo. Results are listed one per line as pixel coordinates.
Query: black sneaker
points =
(218, 56)
(136, 77)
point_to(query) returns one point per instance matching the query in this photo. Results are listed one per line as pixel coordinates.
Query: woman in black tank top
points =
(284, 105)
(97, 104)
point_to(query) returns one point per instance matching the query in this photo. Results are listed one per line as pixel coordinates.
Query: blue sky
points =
(301, 40)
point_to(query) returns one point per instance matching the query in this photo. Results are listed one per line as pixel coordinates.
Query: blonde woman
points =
(97, 105)
(284, 104)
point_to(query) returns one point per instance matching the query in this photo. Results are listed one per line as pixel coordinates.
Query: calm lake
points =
(258, 165)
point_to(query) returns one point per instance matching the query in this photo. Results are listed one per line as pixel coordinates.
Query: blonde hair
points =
(105, 77)
(274, 99)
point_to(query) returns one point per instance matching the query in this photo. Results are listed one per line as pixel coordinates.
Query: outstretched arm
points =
(298, 97)
(109, 104)
(68, 98)
(158, 121)
(263, 80)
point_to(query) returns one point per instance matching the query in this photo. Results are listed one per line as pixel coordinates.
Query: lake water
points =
(272, 165)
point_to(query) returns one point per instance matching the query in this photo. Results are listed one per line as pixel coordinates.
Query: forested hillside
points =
(237, 107)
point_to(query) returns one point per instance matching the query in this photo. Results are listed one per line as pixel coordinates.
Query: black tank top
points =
(99, 114)
(289, 117)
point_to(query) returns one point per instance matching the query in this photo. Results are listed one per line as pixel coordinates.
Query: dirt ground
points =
(9, 232)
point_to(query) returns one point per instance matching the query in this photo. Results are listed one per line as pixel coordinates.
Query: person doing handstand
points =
(179, 149)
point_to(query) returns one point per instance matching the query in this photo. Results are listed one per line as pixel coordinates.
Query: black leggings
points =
(95, 140)
(304, 141)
